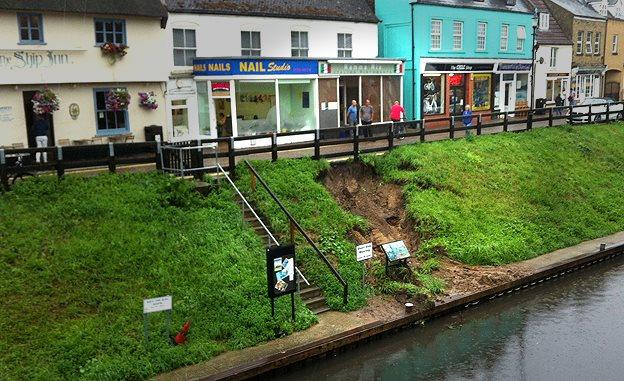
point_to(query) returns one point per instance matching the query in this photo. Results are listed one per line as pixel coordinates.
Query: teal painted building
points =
(458, 53)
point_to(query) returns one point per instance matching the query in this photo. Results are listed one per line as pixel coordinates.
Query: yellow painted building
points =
(43, 45)
(614, 58)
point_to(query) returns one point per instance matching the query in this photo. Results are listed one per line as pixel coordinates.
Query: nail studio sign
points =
(211, 67)
(24, 60)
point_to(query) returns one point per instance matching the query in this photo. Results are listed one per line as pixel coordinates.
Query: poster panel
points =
(281, 276)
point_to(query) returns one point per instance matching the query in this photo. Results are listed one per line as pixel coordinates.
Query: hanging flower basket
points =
(45, 102)
(114, 51)
(148, 100)
(117, 100)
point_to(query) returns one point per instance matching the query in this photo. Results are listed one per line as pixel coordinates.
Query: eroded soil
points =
(359, 190)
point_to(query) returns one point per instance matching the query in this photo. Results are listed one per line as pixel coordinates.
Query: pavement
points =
(333, 323)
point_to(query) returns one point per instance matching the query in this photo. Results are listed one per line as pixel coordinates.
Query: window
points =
(344, 45)
(481, 36)
(504, 37)
(30, 28)
(597, 44)
(179, 118)
(299, 44)
(521, 37)
(436, 34)
(113, 31)
(579, 43)
(109, 122)
(433, 95)
(588, 43)
(184, 47)
(614, 44)
(458, 32)
(544, 21)
(553, 57)
(250, 44)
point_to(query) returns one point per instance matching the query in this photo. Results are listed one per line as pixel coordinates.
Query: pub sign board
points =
(281, 271)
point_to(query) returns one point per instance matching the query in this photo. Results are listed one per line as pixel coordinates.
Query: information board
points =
(364, 252)
(395, 250)
(281, 270)
(157, 304)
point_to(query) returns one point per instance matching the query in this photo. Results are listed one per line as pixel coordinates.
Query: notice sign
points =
(395, 250)
(281, 270)
(364, 252)
(157, 304)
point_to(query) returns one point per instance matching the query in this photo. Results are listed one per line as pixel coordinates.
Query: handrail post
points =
(390, 136)
(479, 124)
(274, 147)
(111, 158)
(317, 145)
(345, 295)
(505, 121)
(550, 116)
(452, 127)
(356, 144)
(422, 131)
(231, 155)
(4, 178)
(60, 170)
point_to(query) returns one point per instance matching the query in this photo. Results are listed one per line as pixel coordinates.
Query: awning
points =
(590, 69)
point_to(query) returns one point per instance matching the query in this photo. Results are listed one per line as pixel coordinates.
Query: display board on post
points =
(397, 254)
(281, 275)
(362, 254)
(150, 306)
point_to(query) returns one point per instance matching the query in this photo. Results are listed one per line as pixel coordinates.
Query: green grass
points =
(508, 197)
(78, 256)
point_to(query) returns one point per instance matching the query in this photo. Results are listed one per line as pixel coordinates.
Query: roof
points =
(336, 10)
(495, 5)
(554, 35)
(147, 8)
(578, 8)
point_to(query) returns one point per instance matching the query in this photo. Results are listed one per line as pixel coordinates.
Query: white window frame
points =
(580, 40)
(481, 36)
(520, 41)
(252, 51)
(553, 57)
(504, 37)
(345, 51)
(614, 44)
(544, 21)
(597, 43)
(589, 42)
(298, 50)
(186, 48)
(458, 35)
(437, 34)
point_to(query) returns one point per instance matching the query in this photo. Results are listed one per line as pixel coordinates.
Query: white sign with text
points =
(364, 252)
(157, 304)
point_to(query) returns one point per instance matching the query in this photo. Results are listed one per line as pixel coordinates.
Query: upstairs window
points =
(597, 44)
(345, 48)
(521, 38)
(113, 31)
(504, 37)
(614, 44)
(30, 28)
(481, 36)
(250, 44)
(588, 43)
(579, 43)
(184, 47)
(553, 57)
(436, 34)
(299, 44)
(544, 21)
(458, 35)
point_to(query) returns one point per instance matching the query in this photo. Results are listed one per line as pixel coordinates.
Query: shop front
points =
(342, 81)
(248, 97)
(511, 86)
(587, 82)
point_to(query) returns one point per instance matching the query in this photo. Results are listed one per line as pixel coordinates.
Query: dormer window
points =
(544, 21)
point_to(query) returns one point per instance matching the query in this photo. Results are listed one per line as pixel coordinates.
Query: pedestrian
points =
(367, 113)
(40, 128)
(352, 116)
(559, 104)
(467, 119)
(572, 99)
(397, 112)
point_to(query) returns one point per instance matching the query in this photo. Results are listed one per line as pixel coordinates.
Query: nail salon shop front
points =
(248, 97)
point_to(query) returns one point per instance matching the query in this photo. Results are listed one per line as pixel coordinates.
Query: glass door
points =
(183, 118)
(508, 93)
(457, 94)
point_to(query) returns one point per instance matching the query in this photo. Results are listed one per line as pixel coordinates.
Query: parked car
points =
(598, 109)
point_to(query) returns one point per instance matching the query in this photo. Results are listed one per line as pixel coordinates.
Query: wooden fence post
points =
(479, 124)
(60, 170)
(391, 136)
(530, 120)
(505, 121)
(317, 145)
(158, 156)
(4, 176)
(231, 156)
(589, 115)
(550, 116)
(422, 131)
(112, 167)
(608, 113)
(452, 127)
(274, 147)
(571, 110)
(356, 144)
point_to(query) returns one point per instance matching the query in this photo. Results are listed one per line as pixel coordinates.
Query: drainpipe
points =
(413, 65)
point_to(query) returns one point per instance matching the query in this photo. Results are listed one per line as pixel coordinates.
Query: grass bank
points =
(78, 256)
(508, 197)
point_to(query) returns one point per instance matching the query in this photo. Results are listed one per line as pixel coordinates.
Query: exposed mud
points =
(358, 189)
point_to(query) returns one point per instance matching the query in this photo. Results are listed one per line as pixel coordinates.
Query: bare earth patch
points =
(359, 190)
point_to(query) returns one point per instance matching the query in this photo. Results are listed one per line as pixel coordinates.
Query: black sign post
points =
(281, 275)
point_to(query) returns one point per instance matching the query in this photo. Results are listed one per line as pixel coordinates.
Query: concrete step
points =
(320, 310)
(316, 302)
(309, 292)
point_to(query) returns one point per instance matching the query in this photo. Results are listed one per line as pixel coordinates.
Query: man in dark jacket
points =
(40, 128)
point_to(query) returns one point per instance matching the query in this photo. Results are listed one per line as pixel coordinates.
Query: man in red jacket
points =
(396, 113)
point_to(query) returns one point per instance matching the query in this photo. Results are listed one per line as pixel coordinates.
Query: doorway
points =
(349, 90)
(508, 93)
(223, 111)
(457, 94)
(30, 118)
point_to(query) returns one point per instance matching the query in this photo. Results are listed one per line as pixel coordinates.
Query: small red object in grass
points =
(180, 338)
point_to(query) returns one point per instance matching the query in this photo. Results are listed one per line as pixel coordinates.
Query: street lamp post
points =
(534, 53)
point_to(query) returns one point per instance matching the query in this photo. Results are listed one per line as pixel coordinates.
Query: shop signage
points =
(457, 67)
(364, 252)
(220, 89)
(382, 68)
(6, 114)
(33, 60)
(514, 67)
(206, 67)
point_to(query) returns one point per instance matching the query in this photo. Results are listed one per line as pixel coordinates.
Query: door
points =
(223, 111)
(508, 96)
(457, 94)
(30, 117)
(183, 118)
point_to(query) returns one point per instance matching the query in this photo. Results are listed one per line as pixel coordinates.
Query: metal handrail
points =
(272, 238)
(294, 222)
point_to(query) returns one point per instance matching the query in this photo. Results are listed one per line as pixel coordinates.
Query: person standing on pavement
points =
(352, 115)
(367, 113)
(40, 128)
(558, 103)
(467, 119)
(396, 114)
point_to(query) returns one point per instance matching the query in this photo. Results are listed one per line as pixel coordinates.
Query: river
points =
(570, 328)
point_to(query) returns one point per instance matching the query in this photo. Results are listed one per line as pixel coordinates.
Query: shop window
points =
(481, 36)
(458, 35)
(204, 109)
(436, 34)
(433, 95)
(299, 44)
(109, 122)
(553, 57)
(521, 35)
(504, 37)
(250, 44)
(522, 87)
(579, 43)
(482, 92)
(256, 107)
(184, 47)
(30, 28)
(588, 43)
(109, 30)
(328, 102)
(296, 113)
(345, 49)
(371, 90)
(554, 87)
(457, 94)
(597, 43)
(391, 93)
(180, 118)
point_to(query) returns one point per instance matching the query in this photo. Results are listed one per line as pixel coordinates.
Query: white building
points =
(294, 67)
(553, 58)
(51, 44)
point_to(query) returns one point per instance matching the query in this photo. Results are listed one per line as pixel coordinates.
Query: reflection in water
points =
(567, 329)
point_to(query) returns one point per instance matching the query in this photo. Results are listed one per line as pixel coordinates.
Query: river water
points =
(568, 329)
